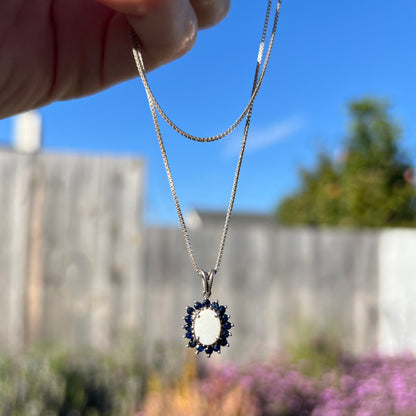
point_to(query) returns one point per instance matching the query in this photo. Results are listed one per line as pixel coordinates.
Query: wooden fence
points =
(285, 284)
(77, 267)
(70, 242)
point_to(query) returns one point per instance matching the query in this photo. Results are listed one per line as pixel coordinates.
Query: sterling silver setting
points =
(193, 334)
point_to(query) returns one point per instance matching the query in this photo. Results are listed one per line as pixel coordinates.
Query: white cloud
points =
(263, 138)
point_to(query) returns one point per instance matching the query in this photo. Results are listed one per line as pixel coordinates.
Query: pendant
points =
(207, 327)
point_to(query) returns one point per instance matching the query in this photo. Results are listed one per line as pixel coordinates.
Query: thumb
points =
(167, 29)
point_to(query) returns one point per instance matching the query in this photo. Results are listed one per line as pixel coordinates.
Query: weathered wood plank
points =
(8, 173)
(19, 241)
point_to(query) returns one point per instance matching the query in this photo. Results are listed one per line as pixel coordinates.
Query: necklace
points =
(207, 325)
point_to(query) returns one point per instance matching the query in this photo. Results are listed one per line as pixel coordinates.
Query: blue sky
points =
(326, 54)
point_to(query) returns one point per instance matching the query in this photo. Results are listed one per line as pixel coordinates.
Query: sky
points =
(326, 54)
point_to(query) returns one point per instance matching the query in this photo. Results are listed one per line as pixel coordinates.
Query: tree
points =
(371, 187)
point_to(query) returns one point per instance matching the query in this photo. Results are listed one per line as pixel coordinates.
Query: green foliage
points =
(315, 352)
(29, 386)
(371, 187)
(53, 383)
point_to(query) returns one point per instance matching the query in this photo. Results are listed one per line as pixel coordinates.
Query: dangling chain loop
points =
(155, 108)
(138, 58)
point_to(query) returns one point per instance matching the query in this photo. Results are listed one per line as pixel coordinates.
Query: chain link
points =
(155, 108)
(140, 66)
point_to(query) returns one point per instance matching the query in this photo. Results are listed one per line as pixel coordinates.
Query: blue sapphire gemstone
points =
(200, 347)
(187, 327)
(209, 350)
(227, 325)
(221, 310)
(223, 342)
(225, 334)
(216, 347)
(207, 303)
(224, 318)
(188, 319)
(215, 305)
(190, 310)
(192, 343)
(189, 335)
(197, 305)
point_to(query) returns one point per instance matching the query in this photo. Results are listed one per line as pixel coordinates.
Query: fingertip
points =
(166, 31)
(210, 12)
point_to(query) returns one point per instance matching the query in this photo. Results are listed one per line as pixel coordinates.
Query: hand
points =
(58, 49)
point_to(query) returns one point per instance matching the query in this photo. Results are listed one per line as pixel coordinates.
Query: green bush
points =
(371, 186)
(29, 386)
(53, 383)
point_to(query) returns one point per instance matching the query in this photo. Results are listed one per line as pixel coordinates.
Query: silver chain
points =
(155, 108)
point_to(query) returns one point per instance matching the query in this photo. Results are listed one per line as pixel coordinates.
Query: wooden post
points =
(34, 290)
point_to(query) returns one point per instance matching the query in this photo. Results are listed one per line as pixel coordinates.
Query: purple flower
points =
(372, 386)
(368, 386)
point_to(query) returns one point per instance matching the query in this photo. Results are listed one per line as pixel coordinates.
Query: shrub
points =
(368, 386)
(29, 386)
(372, 386)
(212, 395)
(52, 383)
(276, 389)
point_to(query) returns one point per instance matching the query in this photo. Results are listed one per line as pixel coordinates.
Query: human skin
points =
(60, 49)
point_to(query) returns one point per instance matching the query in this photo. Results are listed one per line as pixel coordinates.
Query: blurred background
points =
(319, 270)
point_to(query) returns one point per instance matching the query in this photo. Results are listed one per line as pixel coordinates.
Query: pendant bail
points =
(207, 280)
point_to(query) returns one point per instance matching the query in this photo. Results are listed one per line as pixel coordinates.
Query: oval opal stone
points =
(207, 327)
